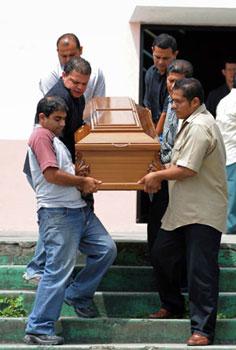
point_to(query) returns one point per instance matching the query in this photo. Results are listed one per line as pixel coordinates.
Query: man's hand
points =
(152, 167)
(82, 169)
(155, 164)
(89, 185)
(151, 182)
(62, 178)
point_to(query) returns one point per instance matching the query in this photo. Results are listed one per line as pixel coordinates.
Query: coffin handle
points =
(121, 145)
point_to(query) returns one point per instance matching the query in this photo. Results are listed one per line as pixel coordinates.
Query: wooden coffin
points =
(117, 149)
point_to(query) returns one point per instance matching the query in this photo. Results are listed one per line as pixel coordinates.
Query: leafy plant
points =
(12, 307)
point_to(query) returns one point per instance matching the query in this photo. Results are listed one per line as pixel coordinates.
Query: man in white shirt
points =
(68, 46)
(226, 120)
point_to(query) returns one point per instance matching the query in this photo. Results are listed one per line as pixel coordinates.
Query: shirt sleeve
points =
(46, 83)
(166, 149)
(96, 85)
(165, 105)
(100, 87)
(42, 145)
(192, 152)
(146, 100)
(49, 80)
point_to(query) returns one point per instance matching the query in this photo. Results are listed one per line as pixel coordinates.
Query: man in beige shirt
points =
(196, 214)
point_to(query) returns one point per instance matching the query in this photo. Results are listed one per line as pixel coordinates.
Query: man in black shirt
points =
(71, 88)
(164, 51)
(217, 94)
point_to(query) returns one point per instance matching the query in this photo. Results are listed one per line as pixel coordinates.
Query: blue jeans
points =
(231, 182)
(62, 232)
(37, 264)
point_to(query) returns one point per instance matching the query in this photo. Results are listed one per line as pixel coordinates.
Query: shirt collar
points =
(185, 122)
(199, 110)
(157, 71)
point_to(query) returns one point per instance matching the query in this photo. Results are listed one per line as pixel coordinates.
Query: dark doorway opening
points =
(207, 48)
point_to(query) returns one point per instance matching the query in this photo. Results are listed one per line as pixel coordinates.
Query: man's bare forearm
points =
(62, 178)
(174, 173)
(152, 181)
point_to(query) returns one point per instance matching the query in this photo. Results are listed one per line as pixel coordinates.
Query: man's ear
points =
(223, 72)
(196, 102)
(81, 50)
(176, 53)
(42, 116)
(63, 74)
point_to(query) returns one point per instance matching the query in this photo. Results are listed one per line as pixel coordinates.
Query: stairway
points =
(125, 298)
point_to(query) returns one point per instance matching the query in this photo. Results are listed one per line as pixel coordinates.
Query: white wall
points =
(28, 33)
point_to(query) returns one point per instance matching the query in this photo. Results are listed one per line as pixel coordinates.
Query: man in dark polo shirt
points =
(71, 88)
(164, 51)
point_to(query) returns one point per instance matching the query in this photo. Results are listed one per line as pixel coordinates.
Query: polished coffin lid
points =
(114, 114)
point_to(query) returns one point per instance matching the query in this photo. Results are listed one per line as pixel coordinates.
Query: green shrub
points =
(12, 307)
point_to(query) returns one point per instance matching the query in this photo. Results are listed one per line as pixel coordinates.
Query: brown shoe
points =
(198, 339)
(162, 314)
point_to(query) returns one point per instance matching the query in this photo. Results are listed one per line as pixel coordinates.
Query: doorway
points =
(206, 48)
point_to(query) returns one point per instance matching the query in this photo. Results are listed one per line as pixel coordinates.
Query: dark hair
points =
(182, 67)
(234, 81)
(165, 41)
(69, 36)
(191, 88)
(229, 59)
(48, 105)
(78, 64)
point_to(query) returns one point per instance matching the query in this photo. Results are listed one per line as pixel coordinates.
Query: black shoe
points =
(69, 302)
(85, 312)
(43, 339)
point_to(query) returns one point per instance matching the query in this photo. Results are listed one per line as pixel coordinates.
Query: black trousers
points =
(157, 209)
(201, 244)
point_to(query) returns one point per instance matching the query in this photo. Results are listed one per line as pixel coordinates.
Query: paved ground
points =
(116, 209)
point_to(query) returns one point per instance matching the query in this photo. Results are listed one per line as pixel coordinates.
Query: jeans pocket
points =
(52, 214)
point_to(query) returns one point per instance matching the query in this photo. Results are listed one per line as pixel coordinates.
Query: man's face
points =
(67, 50)
(171, 79)
(162, 58)
(229, 72)
(76, 83)
(183, 108)
(55, 122)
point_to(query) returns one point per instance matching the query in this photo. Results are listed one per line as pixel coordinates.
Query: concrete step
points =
(115, 347)
(118, 278)
(129, 253)
(125, 305)
(119, 330)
